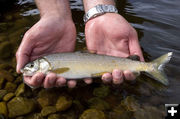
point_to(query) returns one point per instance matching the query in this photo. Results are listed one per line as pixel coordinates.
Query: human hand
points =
(50, 34)
(111, 34)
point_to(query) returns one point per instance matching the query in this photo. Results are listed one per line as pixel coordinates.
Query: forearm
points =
(88, 4)
(58, 8)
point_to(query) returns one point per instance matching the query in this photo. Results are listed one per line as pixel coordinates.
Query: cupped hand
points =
(49, 35)
(111, 34)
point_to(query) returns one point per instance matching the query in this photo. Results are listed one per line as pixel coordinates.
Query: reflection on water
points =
(157, 23)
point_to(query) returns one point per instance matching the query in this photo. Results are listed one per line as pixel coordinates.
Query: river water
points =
(157, 24)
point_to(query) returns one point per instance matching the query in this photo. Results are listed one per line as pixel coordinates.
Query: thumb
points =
(134, 47)
(23, 53)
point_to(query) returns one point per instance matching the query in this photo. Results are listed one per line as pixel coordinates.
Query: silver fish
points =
(84, 65)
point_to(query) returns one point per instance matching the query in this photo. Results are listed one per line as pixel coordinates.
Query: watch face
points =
(106, 8)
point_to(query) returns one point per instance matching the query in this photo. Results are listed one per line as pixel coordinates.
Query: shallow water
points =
(157, 23)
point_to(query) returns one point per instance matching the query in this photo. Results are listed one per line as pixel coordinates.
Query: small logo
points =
(173, 111)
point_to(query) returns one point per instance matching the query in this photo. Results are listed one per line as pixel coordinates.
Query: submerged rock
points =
(98, 103)
(34, 116)
(6, 49)
(101, 91)
(2, 93)
(20, 90)
(92, 114)
(5, 66)
(3, 108)
(6, 75)
(2, 37)
(78, 106)
(120, 112)
(10, 87)
(20, 117)
(54, 116)
(20, 106)
(63, 103)
(149, 112)
(130, 104)
(18, 80)
(8, 96)
(47, 97)
(48, 110)
(2, 81)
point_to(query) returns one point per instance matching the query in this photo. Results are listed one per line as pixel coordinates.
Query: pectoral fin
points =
(60, 70)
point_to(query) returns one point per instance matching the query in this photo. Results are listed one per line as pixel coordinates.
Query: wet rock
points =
(2, 81)
(6, 75)
(5, 66)
(48, 110)
(3, 27)
(54, 116)
(20, 90)
(3, 108)
(78, 106)
(16, 35)
(156, 100)
(19, 106)
(70, 114)
(120, 112)
(8, 17)
(47, 97)
(2, 93)
(149, 112)
(20, 117)
(130, 104)
(34, 116)
(8, 96)
(18, 80)
(10, 87)
(98, 103)
(92, 114)
(6, 49)
(101, 91)
(63, 103)
(3, 38)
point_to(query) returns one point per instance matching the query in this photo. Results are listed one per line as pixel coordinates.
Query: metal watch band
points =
(99, 10)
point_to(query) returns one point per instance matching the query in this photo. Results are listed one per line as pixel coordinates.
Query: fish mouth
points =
(22, 70)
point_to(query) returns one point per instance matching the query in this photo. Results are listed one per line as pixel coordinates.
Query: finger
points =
(134, 46)
(107, 78)
(71, 83)
(129, 75)
(117, 76)
(88, 80)
(35, 80)
(23, 52)
(50, 80)
(60, 82)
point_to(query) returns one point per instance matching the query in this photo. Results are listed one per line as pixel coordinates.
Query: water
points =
(157, 23)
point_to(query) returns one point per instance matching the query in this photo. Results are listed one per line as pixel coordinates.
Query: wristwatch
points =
(99, 10)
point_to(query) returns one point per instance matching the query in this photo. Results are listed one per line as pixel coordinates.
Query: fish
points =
(77, 65)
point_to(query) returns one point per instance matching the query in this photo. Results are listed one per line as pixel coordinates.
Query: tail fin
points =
(158, 73)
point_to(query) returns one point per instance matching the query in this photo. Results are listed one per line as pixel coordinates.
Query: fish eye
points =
(31, 65)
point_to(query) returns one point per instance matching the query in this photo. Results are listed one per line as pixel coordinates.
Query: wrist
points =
(56, 15)
(56, 8)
